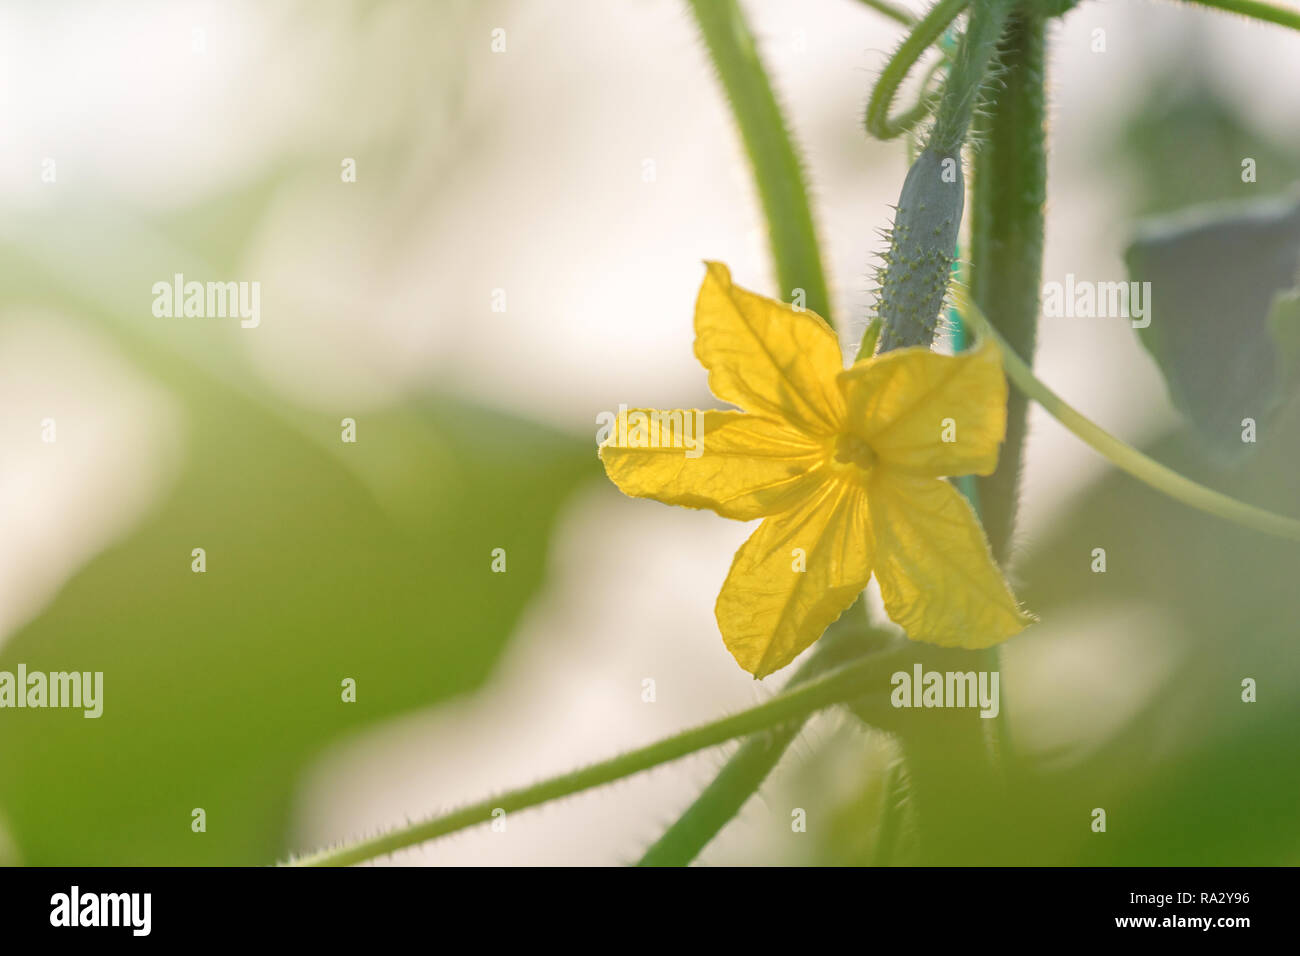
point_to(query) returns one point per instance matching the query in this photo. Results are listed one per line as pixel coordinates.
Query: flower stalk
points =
(864, 678)
(1125, 456)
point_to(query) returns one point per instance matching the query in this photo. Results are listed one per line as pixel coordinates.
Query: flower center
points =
(852, 450)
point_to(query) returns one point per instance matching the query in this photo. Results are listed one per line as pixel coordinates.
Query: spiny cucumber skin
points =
(922, 246)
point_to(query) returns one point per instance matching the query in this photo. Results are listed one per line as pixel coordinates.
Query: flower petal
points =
(768, 611)
(936, 573)
(930, 414)
(744, 467)
(767, 358)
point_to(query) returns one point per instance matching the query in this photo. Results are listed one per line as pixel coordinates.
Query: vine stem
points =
(965, 80)
(760, 121)
(862, 678)
(894, 12)
(777, 169)
(892, 793)
(1009, 195)
(1007, 229)
(848, 638)
(1256, 10)
(877, 119)
(1125, 456)
(948, 758)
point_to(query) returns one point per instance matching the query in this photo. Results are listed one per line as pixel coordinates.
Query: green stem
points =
(1007, 226)
(947, 755)
(1268, 12)
(1006, 246)
(745, 772)
(925, 100)
(892, 794)
(1124, 456)
(746, 85)
(877, 119)
(861, 678)
(895, 13)
(961, 92)
(777, 170)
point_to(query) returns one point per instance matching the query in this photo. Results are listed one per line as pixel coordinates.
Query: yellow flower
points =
(844, 466)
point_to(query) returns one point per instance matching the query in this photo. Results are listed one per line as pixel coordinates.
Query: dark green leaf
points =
(1214, 274)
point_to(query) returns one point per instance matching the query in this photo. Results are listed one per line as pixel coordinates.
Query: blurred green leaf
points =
(1214, 274)
(220, 686)
(1284, 327)
(1185, 142)
(1199, 777)
(325, 561)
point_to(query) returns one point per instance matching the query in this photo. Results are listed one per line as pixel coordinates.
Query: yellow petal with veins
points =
(936, 574)
(930, 414)
(766, 357)
(794, 576)
(746, 467)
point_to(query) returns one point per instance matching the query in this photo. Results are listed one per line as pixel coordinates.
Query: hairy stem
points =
(892, 794)
(961, 92)
(777, 170)
(1125, 456)
(877, 119)
(744, 773)
(894, 12)
(868, 676)
(1006, 247)
(1256, 10)
(947, 753)
(1007, 226)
